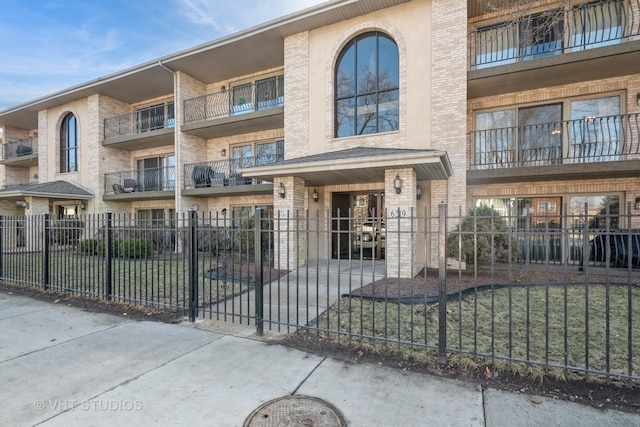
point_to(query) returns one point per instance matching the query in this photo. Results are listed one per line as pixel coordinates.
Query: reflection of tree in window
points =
(366, 86)
(600, 220)
(269, 152)
(540, 134)
(541, 35)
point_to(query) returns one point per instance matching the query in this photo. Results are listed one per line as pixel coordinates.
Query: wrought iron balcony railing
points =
(585, 26)
(589, 140)
(20, 148)
(150, 179)
(144, 120)
(222, 173)
(261, 95)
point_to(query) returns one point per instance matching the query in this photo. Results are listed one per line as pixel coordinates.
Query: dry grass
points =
(553, 326)
(162, 281)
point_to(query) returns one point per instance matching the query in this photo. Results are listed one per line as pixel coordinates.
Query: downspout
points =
(176, 145)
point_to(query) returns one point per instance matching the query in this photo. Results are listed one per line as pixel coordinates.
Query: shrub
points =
(91, 247)
(66, 231)
(491, 231)
(134, 248)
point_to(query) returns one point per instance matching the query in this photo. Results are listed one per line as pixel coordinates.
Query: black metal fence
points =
(478, 283)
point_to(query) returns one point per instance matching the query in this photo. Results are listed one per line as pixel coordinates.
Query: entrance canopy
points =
(356, 165)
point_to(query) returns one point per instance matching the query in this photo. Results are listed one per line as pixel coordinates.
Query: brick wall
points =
(296, 95)
(448, 103)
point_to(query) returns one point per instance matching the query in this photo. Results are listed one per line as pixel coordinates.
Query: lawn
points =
(160, 281)
(555, 325)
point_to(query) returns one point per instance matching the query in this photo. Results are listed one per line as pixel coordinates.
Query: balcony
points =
(576, 149)
(585, 42)
(21, 153)
(141, 184)
(149, 127)
(246, 108)
(222, 177)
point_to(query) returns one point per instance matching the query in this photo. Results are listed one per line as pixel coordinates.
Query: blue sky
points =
(50, 45)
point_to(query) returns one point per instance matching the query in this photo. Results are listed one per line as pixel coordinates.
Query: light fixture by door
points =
(397, 184)
(314, 195)
(418, 192)
(282, 191)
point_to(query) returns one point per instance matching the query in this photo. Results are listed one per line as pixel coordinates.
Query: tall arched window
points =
(69, 144)
(366, 86)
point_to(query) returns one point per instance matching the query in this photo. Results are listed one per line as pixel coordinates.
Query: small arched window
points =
(367, 86)
(69, 144)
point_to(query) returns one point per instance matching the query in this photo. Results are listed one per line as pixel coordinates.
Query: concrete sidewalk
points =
(62, 366)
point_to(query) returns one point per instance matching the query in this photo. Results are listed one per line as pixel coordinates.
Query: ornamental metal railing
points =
(20, 148)
(587, 140)
(554, 32)
(140, 180)
(242, 99)
(222, 173)
(141, 121)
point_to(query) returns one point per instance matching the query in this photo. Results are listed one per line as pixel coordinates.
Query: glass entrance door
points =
(358, 226)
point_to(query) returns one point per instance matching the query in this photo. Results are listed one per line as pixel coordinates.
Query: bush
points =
(133, 248)
(491, 230)
(91, 247)
(66, 231)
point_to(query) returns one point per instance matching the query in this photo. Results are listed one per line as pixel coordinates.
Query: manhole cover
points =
(298, 411)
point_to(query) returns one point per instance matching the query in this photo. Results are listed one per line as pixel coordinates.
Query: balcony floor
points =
(575, 171)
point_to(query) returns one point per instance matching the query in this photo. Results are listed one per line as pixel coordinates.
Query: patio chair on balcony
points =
(129, 185)
(202, 176)
(237, 179)
(23, 150)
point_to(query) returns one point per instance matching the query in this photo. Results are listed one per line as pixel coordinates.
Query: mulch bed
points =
(426, 282)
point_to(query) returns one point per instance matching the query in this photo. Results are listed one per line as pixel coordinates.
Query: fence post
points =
(108, 287)
(193, 265)
(442, 281)
(259, 273)
(45, 258)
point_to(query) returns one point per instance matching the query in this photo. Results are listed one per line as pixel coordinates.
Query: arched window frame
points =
(69, 144)
(366, 96)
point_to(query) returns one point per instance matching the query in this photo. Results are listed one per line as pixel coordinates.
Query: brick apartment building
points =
(351, 106)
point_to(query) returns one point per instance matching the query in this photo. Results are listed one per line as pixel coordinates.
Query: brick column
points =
(401, 237)
(290, 247)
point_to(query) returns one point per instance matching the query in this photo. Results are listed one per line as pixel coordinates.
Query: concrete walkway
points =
(61, 366)
(304, 294)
